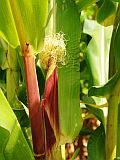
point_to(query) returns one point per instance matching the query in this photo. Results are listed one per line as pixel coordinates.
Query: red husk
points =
(50, 104)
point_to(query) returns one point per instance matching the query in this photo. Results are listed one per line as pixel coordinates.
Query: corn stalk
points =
(111, 130)
(35, 113)
(113, 101)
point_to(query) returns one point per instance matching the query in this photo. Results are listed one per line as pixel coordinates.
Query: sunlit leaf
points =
(14, 145)
(32, 17)
(23, 20)
(7, 25)
(97, 54)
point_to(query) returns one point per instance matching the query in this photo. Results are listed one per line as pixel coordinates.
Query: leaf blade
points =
(7, 25)
(14, 134)
(69, 76)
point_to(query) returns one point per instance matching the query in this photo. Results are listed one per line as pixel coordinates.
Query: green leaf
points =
(23, 20)
(21, 112)
(97, 112)
(96, 144)
(14, 145)
(106, 13)
(88, 100)
(97, 54)
(2, 81)
(32, 16)
(4, 135)
(85, 131)
(41, 80)
(20, 62)
(116, 0)
(105, 89)
(75, 154)
(68, 21)
(117, 46)
(82, 4)
(118, 158)
(3, 52)
(22, 96)
(17, 147)
(7, 25)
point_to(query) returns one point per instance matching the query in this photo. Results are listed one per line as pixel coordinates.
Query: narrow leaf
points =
(117, 46)
(96, 144)
(3, 52)
(97, 112)
(105, 89)
(75, 154)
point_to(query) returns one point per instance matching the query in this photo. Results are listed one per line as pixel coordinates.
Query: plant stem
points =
(112, 68)
(118, 135)
(111, 137)
(35, 112)
(12, 75)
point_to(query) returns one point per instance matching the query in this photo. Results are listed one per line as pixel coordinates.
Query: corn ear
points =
(50, 106)
(52, 53)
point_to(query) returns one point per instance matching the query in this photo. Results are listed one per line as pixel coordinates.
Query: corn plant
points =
(40, 103)
(48, 133)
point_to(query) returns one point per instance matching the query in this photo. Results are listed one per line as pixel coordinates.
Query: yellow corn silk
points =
(52, 53)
